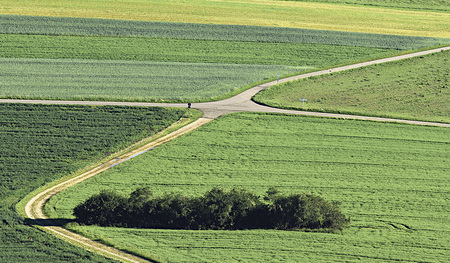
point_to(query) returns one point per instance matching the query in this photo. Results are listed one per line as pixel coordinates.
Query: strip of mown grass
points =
(57, 26)
(127, 80)
(416, 88)
(391, 178)
(249, 12)
(40, 144)
(434, 5)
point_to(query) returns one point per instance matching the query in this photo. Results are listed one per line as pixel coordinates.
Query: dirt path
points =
(34, 207)
(211, 110)
(242, 102)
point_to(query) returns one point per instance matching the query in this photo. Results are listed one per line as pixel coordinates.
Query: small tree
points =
(306, 211)
(224, 210)
(105, 209)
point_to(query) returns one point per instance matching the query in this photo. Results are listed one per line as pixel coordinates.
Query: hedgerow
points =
(217, 209)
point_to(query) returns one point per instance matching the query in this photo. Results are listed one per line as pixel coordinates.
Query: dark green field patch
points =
(42, 143)
(35, 25)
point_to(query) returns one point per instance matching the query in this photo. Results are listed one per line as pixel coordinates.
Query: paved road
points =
(242, 102)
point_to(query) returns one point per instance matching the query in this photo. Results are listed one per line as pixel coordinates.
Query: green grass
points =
(180, 50)
(326, 16)
(434, 5)
(41, 143)
(126, 80)
(391, 178)
(415, 88)
(56, 26)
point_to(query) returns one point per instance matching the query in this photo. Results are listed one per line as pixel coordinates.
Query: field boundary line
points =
(34, 207)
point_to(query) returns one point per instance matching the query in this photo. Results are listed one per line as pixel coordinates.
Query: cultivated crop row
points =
(176, 50)
(57, 26)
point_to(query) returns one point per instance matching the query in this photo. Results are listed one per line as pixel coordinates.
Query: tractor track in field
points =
(211, 110)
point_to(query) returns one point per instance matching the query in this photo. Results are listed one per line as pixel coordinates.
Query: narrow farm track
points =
(211, 110)
(34, 207)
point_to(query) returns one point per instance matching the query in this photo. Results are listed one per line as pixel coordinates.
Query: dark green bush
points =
(104, 209)
(217, 209)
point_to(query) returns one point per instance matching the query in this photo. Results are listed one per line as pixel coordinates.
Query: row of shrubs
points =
(217, 209)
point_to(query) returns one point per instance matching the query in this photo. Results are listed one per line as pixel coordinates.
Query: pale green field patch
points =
(126, 80)
(390, 178)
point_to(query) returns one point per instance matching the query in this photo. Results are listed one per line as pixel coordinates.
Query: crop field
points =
(42, 143)
(352, 18)
(391, 179)
(65, 26)
(153, 61)
(415, 88)
(126, 80)
(174, 50)
(106, 65)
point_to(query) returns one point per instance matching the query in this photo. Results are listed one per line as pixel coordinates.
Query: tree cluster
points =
(217, 209)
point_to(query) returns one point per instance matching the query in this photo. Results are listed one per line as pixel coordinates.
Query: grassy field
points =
(437, 5)
(351, 18)
(127, 80)
(415, 88)
(178, 50)
(390, 178)
(43, 143)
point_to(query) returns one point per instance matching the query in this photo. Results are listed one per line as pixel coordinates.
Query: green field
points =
(43, 143)
(179, 50)
(126, 80)
(64, 58)
(390, 178)
(415, 88)
(351, 18)
(226, 57)
(64, 26)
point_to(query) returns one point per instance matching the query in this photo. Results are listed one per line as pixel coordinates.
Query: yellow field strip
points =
(246, 12)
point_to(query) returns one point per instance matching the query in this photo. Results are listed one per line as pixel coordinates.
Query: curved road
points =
(212, 110)
(242, 102)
